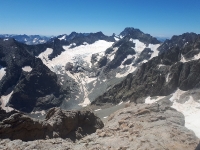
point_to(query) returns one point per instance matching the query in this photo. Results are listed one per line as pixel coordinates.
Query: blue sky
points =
(162, 18)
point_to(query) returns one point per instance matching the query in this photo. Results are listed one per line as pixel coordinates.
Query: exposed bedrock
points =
(58, 123)
(136, 127)
(142, 126)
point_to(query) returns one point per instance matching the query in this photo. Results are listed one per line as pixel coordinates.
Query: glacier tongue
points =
(81, 63)
(78, 56)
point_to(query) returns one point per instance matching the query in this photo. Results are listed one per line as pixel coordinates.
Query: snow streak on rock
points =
(2, 72)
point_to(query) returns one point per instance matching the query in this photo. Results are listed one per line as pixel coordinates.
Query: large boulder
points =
(58, 123)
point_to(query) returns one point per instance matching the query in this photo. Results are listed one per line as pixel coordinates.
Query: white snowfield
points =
(188, 103)
(82, 52)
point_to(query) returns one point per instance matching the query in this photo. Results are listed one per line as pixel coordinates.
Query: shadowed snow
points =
(4, 100)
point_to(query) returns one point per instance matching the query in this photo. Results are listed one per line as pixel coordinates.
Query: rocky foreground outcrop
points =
(142, 127)
(58, 123)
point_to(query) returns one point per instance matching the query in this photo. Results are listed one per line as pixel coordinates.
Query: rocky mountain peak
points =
(137, 34)
(73, 35)
(130, 30)
(186, 42)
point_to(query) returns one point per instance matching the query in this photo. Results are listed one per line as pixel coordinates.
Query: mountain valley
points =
(131, 89)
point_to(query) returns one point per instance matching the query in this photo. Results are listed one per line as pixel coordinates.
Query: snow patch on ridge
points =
(183, 59)
(62, 38)
(27, 68)
(4, 100)
(154, 48)
(196, 57)
(44, 56)
(139, 46)
(130, 70)
(150, 100)
(2, 72)
(116, 39)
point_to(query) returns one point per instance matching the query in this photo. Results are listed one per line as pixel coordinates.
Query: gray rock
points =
(58, 123)
(138, 127)
(156, 126)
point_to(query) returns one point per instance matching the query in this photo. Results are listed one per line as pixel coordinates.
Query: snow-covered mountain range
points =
(27, 39)
(75, 70)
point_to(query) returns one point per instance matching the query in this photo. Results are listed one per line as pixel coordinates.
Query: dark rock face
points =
(37, 49)
(102, 62)
(91, 38)
(127, 47)
(57, 48)
(30, 89)
(58, 123)
(94, 58)
(137, 34)
(5, 115)
(44, 82)
(160, 76)
(69, 66)
(128, 61)
(188, 42)
(144, 55)
(123, 51)
(13, 57)
(198, 147)
(109, 50)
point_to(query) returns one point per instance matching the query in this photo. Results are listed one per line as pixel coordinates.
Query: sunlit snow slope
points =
(80, 55)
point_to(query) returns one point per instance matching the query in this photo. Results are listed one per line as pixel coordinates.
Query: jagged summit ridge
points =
(137, 34)
(186, 41)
